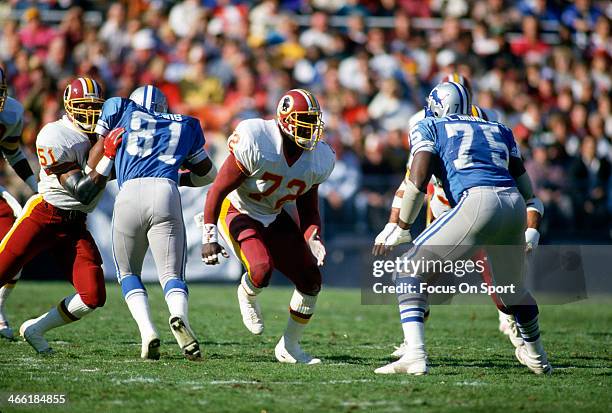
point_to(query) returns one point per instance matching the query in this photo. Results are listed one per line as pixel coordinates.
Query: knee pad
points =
(94, 299)
(260, 272)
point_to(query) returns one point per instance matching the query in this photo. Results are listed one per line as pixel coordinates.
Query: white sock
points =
(76, 306)
(138, 303)
(178, 304)
(412, 316)
(301, 308)
(248, 286)
(530, 332)
(5, 292)
(56, 317)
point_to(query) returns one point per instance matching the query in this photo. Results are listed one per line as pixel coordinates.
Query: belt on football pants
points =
(65, 214)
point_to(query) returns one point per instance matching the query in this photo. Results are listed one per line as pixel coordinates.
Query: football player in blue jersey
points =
(148, 211)
(483, 176)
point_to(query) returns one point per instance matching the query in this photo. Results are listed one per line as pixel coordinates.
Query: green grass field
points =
(96, 361)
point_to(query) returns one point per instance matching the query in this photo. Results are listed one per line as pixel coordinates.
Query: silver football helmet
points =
(150, 98)
(449, 98)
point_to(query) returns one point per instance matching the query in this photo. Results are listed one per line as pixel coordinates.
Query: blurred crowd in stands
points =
(543, 65)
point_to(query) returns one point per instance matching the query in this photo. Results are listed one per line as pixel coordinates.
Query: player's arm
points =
(379, 242)
(202, 170)
(535, 207)
(230, 176)
(200, 174)
(85, 186)
(12, 152)
(412, 201)
(310, 222)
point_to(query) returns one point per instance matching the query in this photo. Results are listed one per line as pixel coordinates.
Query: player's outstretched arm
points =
(379, 242)
(310, 222)
(201, 174)
(535, 207)
(85, 187)
(412, 201)
(229, 178)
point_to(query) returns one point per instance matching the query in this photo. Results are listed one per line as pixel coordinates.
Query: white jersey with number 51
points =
(60, 147)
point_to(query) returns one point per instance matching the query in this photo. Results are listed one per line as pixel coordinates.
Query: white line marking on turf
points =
(296, 382)
(90, 370)
(137, 379)
(471, 383)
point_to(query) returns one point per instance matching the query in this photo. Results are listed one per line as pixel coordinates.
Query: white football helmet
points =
(151, 98)
(449, 98)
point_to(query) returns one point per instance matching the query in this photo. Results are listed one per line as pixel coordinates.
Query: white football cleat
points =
(150, 348)
(250, 311)
(185, 338)
(292, 354)
(504, 325)
(513, 332)
(6, 331)
(538, 364)
(30, 333)
(407, 365)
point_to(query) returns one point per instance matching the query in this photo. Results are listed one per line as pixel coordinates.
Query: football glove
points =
(316, 247)
(390, 236)
(532, 239)
(112, 143)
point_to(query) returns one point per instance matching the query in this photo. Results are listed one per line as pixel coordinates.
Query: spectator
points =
(34, 35)
(590, 177)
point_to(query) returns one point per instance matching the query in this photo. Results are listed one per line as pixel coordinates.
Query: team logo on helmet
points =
(436, 99)
(299, 116)
(285, 105)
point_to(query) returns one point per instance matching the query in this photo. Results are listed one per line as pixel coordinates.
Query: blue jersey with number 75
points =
(471, 152)
(154, 144)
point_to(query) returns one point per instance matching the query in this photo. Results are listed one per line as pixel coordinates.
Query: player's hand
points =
(112, 142)
(389, 237)
(532, 239)
(316, 247)
(211, 253)
(211, 249)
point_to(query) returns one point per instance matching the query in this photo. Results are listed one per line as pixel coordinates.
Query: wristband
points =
(105, 166)
(209, 234)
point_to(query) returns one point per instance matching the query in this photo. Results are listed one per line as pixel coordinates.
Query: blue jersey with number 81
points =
(154, 144)
(471, 152)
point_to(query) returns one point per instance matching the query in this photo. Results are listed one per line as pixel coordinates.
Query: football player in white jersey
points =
(11, 126)
(438, 204)
(273, 164)
(54, 220)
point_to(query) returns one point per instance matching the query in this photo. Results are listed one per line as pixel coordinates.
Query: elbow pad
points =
(412, 202)
(82, 188)
(198, 180)
(534, 204)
